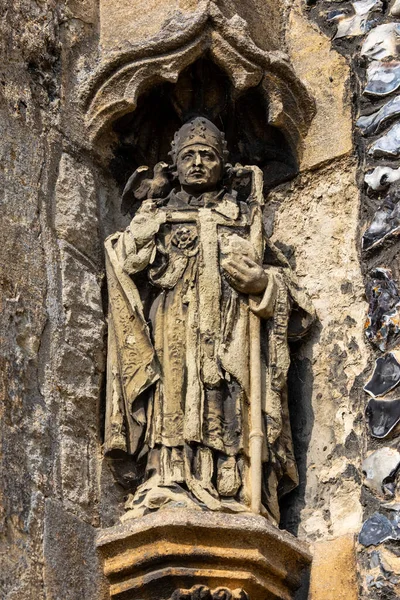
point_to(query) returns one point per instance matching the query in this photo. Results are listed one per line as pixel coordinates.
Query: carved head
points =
(199, 151)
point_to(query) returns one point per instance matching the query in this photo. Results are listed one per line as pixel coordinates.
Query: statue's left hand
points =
(146, 223)
(244, 274)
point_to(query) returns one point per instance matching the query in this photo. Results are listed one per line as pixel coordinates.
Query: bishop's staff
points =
(256, 203)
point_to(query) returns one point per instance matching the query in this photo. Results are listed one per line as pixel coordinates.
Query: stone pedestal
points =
(200, 556)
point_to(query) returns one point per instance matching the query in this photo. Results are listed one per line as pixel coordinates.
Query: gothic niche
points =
(144, 136)
(201, 304)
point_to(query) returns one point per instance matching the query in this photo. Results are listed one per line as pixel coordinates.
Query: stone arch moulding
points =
(125, 75)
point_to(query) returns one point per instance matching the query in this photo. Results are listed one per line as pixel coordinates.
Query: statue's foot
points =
(230, 505)
(152, 496)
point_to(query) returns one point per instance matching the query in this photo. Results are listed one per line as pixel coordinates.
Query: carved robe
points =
(178, 366)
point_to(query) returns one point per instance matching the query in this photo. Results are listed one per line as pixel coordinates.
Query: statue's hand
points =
(244, 274)
(146, 223)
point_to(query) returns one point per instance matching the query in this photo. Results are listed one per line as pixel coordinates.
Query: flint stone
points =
(382, 42)
(389, 561)
(381, 177)
(383, 416)
(386, 222)
(383, 78)
(336, 15)
(378, 467)
(372, 123)
(395, 10)
(392, 505)
(376, 529)
(386, 375)
(387, 145)
(382, 325)
(358, 24)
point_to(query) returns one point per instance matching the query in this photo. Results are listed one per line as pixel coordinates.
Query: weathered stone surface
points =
(25, 421)
(76, 219)
(153, 556)
(196, 424)
(205, 592)
(322, 209)
(71, 563)
(374, 59)
(326, 74)
(334, 570)
(126, 22)
(381, 569)
(114, 91)
(31, 306)
(379, 469)
(83, 308)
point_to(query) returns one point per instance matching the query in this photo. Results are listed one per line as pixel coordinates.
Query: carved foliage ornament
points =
(202, 592)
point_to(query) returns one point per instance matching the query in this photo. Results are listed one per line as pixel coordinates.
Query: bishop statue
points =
(201, 311)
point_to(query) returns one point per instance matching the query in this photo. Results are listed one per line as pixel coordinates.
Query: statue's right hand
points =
(147, 222)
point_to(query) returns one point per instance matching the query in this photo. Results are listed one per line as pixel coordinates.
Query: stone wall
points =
(52, 356)
(60, 198)
(367, 33)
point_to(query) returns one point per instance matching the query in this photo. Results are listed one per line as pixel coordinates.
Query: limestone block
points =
(76, 206)
(21, 547)
(82, 304)
(265, 19)
(78, 467)
(327, 76)
(345, 509)
(123, 21)
(71, 567)
(334, 573)
(80, 357)
(155, 555)
(79, 360)
(84, 10)
(25, 435)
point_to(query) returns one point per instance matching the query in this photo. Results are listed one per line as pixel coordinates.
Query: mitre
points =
(199, 131)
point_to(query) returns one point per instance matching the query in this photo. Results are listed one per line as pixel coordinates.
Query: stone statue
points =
(201, 310)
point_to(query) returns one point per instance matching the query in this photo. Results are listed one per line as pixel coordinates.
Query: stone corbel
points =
(221, 556)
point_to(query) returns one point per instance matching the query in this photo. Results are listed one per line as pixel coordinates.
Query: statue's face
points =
(199, 168)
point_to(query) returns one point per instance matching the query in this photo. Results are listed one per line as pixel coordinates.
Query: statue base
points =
(189, 555)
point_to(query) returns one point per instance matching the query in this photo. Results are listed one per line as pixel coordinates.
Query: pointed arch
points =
(120, 81)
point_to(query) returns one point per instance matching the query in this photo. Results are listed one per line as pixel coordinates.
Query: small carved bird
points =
(139, 187)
